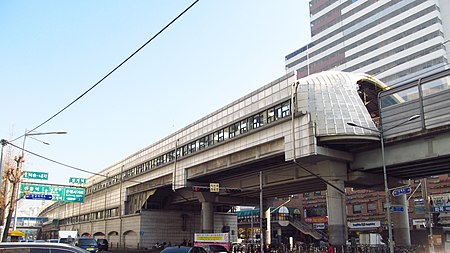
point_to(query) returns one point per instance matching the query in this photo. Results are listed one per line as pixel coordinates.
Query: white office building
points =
(393, 40)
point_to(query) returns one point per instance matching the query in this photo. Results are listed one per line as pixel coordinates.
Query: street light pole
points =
(21, 158)
(381, 132)
(386, 192)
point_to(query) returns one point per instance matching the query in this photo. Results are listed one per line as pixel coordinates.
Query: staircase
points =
(307, 230)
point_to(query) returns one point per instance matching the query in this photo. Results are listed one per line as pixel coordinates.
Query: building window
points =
(244, 126)
(271, 115)
(372, 207)
(357, 208)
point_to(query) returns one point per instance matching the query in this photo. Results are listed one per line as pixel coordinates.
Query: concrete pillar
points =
(337, 216)
(401, 222)
(207, 217)
(335, 173)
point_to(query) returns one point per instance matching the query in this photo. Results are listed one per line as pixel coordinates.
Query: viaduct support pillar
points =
(401, 222)
(207, 215)
(335, 174)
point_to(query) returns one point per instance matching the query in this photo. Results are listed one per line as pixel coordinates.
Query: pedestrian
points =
(330, 248)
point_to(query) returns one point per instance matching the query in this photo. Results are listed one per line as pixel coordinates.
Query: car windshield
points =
(86, 242)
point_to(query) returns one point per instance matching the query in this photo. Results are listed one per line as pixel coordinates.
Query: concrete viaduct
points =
(290, 136)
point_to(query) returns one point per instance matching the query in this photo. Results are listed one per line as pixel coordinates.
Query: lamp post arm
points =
(401, 123)
(363, 127)
(46, 133)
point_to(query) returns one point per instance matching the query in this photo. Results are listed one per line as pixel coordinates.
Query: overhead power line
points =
(66, 165)
(112, 71)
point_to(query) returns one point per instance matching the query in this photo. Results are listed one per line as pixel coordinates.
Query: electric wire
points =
(112, 71)
(66, 165)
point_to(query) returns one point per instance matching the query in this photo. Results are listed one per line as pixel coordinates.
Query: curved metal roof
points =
(334, 98)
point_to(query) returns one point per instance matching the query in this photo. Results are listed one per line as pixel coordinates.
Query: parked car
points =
(87, 243)
(69, 240)
(215, 249)
(53, 240)
(184, 249)
(102, 244)
(41, 247)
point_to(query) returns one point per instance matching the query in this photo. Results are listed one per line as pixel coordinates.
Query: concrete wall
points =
(149, 227)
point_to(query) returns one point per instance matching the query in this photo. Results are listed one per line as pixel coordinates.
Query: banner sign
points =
(212, 238)
(440, 203)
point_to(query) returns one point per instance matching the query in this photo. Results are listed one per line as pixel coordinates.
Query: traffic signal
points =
(232, 190)
(264, 223)
(200, 188)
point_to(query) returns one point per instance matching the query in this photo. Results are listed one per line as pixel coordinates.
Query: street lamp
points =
(21, 158)
(381, 132)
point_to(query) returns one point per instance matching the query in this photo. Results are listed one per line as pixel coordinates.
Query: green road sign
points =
(59, 193)
(35, 175)
(76, 180)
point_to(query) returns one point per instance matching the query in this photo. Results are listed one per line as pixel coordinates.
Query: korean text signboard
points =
(58, 193)
(76, 180)
(440, 203)
(35, 175)
(401, 191)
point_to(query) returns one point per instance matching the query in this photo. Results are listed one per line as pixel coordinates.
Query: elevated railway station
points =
(288, 137)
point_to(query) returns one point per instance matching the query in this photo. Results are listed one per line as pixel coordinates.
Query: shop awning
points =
(16, 233)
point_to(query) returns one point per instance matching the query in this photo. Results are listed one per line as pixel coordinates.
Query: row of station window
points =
(258, 120)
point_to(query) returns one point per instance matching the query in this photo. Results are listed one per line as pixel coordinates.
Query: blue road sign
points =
(39, 196)
(440, 209)
(401, 191)
(397, 209)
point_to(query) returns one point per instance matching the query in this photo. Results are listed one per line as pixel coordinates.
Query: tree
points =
(12, 174)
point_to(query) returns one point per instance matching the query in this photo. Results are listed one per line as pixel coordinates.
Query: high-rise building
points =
(393, 40)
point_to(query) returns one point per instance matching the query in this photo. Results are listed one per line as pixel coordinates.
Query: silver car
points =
(38, 247)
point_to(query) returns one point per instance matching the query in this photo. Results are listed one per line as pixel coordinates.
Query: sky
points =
(51, 52)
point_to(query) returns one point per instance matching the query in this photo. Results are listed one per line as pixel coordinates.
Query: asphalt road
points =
(116, 250)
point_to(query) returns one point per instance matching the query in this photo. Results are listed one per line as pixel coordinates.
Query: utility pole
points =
(428, 213)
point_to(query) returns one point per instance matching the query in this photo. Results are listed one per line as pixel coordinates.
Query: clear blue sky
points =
(53, 51)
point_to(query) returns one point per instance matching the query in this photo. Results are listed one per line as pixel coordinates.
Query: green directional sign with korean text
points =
(59, 193)
(76, 180)
(35, 175)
